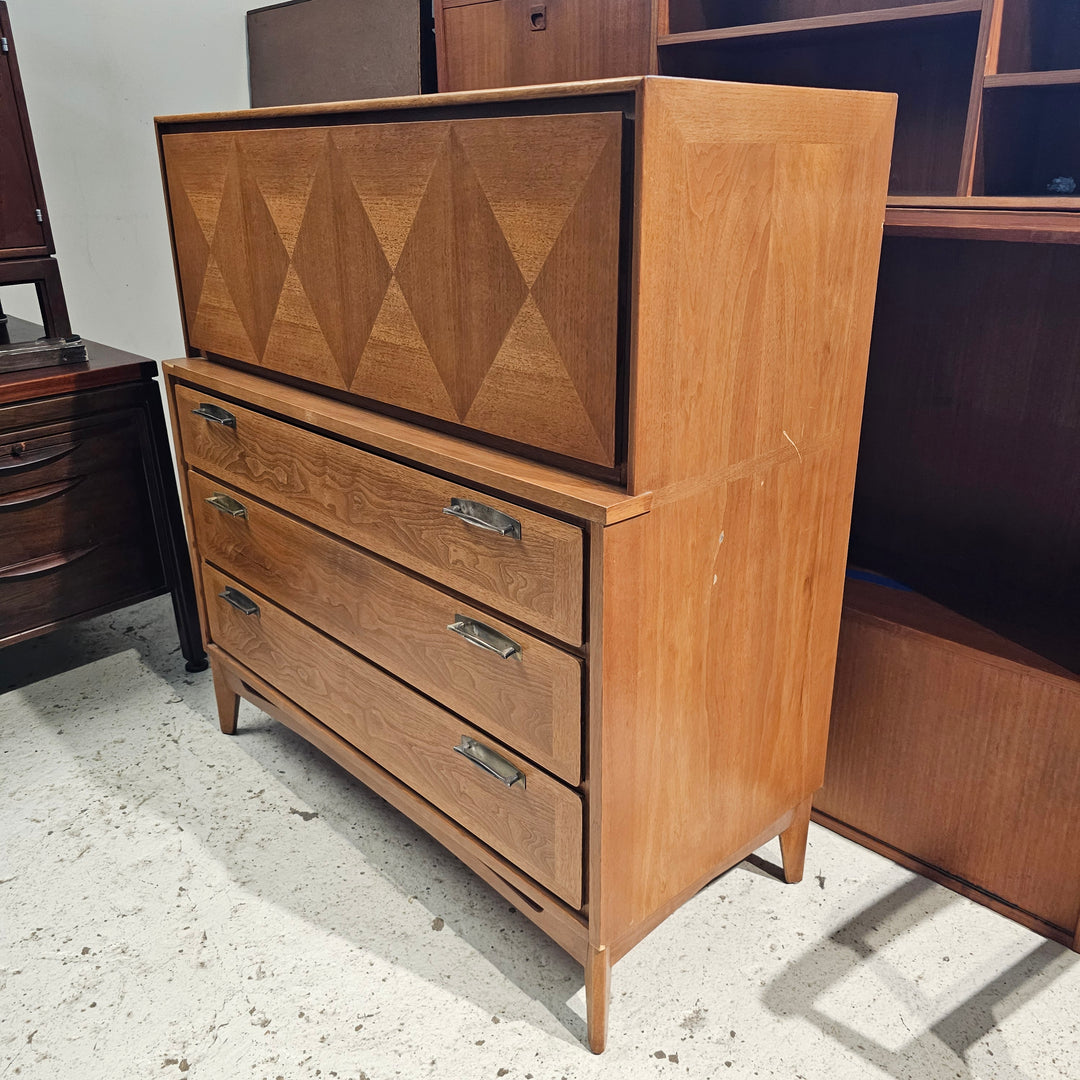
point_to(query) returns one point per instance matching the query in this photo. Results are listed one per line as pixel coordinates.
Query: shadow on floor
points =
(947, 1043)
(380, 834)
(147, 627)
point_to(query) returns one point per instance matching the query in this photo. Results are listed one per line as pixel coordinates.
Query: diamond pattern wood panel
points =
(466, 270)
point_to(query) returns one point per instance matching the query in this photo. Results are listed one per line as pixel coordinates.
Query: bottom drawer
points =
(76, 580)
(535, 822)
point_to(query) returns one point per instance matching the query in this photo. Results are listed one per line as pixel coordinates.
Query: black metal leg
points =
(172, 541)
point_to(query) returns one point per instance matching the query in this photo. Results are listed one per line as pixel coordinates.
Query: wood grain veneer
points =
(337, 258)
(532, 700)
(395, 511)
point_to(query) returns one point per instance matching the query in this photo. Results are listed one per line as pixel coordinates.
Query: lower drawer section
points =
(535, 822)
(531, 702)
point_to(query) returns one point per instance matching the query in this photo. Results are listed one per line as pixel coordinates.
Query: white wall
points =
(96, 72)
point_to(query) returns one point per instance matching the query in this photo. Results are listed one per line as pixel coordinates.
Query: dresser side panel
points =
(759, 222)
(758, 228)
(717, 649)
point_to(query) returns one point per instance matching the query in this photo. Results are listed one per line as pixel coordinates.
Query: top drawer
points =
(534, 573)
(465, 270)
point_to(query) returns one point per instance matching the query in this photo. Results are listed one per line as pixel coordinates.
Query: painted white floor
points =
(178, 903)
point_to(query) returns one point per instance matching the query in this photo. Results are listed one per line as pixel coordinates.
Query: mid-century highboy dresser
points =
(518, 438)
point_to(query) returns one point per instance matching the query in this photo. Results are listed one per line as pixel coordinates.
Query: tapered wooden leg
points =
(597, 996)
(228, 702)
(793, 843)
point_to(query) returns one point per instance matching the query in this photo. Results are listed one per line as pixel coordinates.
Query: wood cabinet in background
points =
(26, 242)
(488, 43)
(518, 439)
(89, 518)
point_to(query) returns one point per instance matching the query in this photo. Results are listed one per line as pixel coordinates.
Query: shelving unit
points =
(1029, 143)
(926, 52)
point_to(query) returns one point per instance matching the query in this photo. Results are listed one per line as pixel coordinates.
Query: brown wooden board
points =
(525, 42)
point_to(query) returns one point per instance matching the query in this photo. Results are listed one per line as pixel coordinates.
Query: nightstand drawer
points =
(76, 580)
(522, 563)
(509, 804)
(55, 452)
(466, 270)
(530, 698)
(39, 520)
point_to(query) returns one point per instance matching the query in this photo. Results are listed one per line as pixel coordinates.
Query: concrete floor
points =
(177, 903)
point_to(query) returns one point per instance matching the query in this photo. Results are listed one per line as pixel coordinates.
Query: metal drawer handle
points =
(489, 761)
(484, 517)
(244, 604)
(227, 505)
(485, 637)
(215, 414)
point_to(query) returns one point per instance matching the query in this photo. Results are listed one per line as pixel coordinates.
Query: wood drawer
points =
(465, 270)
(530, 700)
(78, 580)
(49, 453)
(395, 511)
(537, 823)
(40, 520)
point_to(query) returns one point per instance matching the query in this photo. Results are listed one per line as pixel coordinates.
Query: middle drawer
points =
(520, 562)
(530, 699)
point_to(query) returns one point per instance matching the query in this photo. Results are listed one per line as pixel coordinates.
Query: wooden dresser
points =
(518, 437)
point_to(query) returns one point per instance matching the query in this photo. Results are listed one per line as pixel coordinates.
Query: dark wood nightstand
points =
(89, 515)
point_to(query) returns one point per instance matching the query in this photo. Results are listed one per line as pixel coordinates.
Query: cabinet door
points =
(20, 230)
(465, 270)
(526, 42)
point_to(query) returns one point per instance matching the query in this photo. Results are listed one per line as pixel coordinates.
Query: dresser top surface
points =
(596, 87)
(104, 366)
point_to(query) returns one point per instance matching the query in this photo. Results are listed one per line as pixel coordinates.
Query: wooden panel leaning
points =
(695, 586)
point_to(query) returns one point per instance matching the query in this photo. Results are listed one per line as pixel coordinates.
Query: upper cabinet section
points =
(466, 270)
(645, 281)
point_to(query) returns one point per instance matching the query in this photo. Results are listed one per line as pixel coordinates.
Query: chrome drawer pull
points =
(244, 604)
(227, 505)
(215, 414)
(485, 637)
(484, 517)
(489, 761)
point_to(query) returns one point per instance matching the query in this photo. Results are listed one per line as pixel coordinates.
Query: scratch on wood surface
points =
(792, 441)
